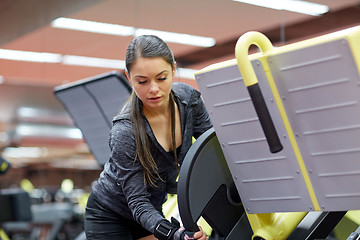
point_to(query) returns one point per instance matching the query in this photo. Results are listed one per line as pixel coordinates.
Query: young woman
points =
(148, 141)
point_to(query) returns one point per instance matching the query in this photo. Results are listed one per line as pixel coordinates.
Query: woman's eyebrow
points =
(140, 76)
(165, 71)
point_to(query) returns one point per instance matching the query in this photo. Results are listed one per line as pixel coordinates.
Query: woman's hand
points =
(201, 235)
(166, 230)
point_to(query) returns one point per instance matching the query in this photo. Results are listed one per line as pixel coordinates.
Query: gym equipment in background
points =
(4, 165)
(92, 103)
(15, 205)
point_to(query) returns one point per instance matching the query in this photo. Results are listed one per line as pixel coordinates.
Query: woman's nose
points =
(154, 87)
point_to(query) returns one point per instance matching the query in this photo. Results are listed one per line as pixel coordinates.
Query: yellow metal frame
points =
(249, 77)
(3, 235)
(271, 225)
(276, 226)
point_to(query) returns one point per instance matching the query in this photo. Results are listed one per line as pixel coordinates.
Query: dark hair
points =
(148, 46)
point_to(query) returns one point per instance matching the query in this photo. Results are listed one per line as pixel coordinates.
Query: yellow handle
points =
(251, 82)
(242, 54)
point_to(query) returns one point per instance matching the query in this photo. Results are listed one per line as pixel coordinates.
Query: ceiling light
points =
(93, 62)
(25, 152)
(30, 112)
(178, 37)
(185, 73)
(29, 56)
(90, 26)
(42, 115)
(73, 60)
(290, 5)
(119, 30)
(36, 130)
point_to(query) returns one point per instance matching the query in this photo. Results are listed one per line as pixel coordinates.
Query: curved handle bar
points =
(251, 82)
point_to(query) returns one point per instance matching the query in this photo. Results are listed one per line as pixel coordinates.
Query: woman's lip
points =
(154, 98)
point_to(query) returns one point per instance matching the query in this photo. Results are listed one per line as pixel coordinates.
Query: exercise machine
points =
(92, 103)
(287, 122)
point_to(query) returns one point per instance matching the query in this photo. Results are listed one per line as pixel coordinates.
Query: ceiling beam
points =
(316, 26)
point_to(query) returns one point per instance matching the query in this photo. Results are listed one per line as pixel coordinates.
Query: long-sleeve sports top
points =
(121, 186)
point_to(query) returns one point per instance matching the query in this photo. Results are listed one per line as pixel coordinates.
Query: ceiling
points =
(25, 25)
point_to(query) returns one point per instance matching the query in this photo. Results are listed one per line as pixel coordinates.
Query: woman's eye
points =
(141, 82)
(163, 78)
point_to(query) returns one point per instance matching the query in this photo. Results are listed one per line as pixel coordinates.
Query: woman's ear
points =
(174, 69)
(127, 75)
(130, 82)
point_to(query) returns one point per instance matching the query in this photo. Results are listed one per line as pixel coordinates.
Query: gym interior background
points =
(48, 154)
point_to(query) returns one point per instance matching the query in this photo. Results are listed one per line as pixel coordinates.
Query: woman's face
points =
(151, 79)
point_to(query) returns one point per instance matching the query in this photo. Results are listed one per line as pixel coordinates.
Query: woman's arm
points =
(130, 176)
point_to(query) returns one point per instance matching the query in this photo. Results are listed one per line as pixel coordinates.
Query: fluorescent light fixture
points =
(30, 112)
(298, 6)
(72, 60)
(35, 130)
(42, 115)
(178, 37)
(90, 26)
(119, 30)
(29, 56)
(185, 73)
(25, 152)
(93, 62)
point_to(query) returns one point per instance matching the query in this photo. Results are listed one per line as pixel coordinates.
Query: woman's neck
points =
(153, 113)
(160, 123)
